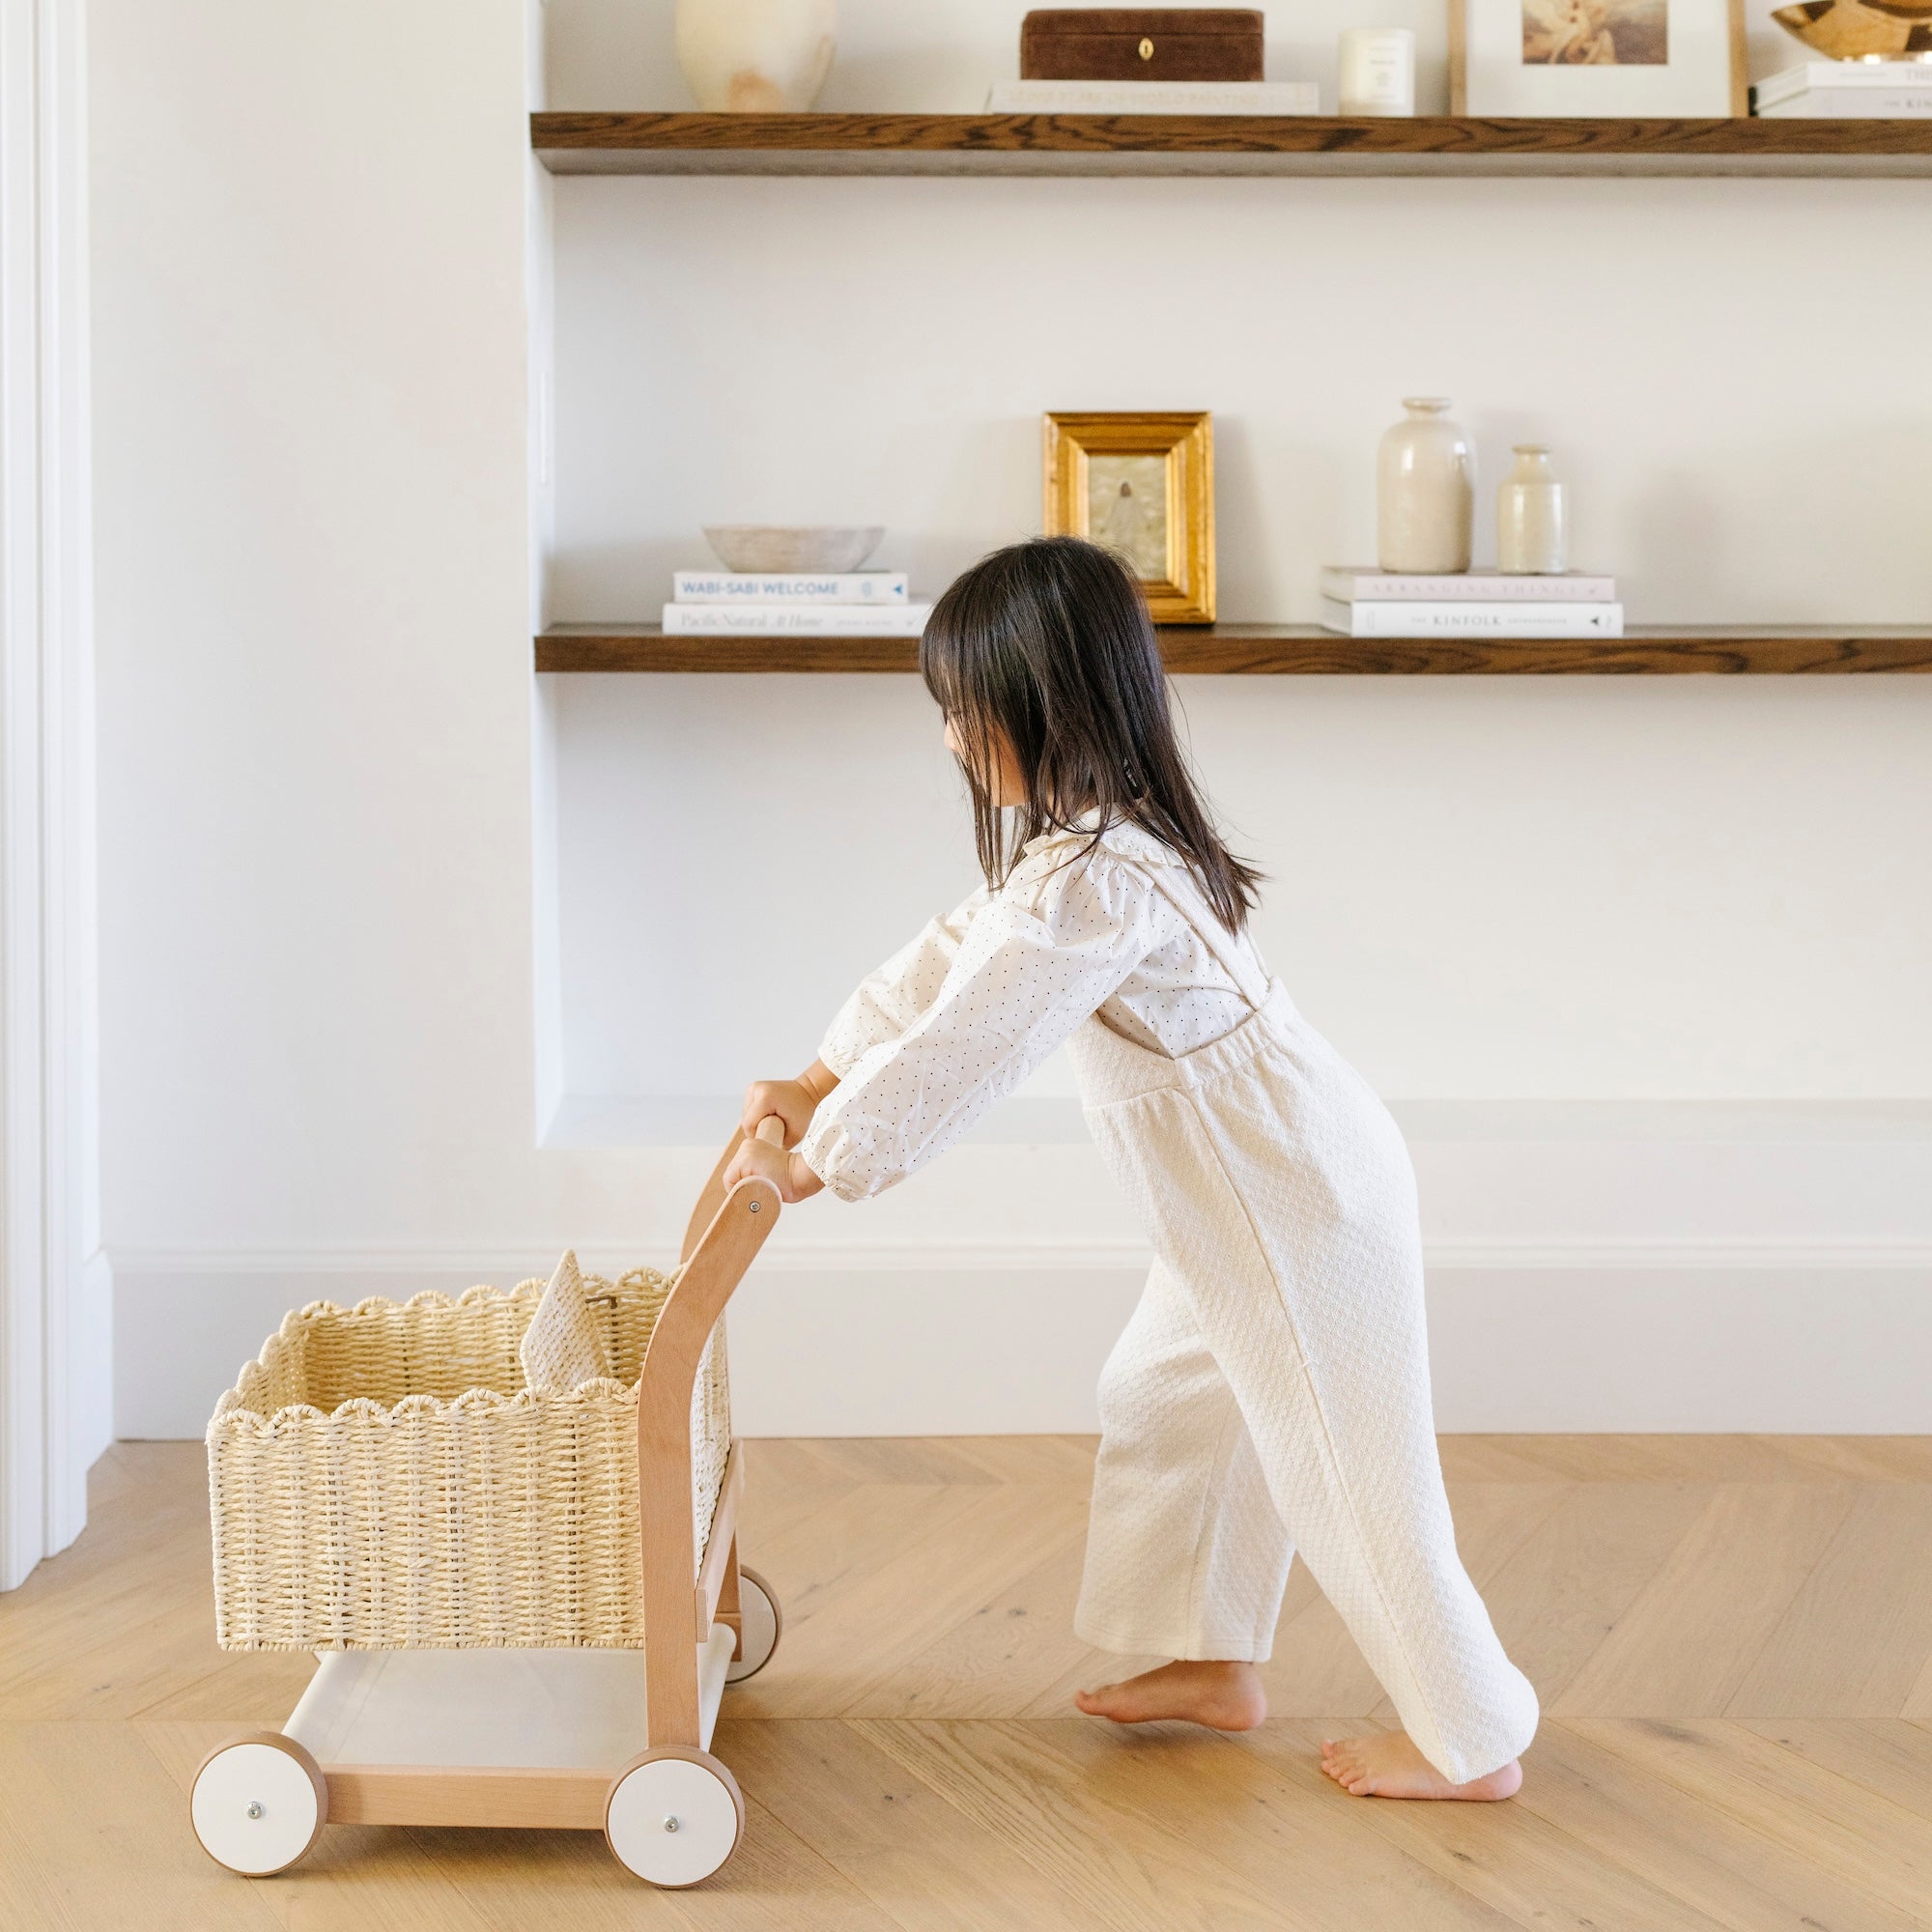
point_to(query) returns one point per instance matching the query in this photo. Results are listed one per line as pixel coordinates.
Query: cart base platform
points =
(443, 1736)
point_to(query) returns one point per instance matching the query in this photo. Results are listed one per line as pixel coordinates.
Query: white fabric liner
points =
(530, 1709)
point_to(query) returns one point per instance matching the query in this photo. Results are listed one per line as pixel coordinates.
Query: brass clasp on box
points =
(1147, 49)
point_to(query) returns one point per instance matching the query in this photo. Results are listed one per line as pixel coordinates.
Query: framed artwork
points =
(1617, 59)
(1144, 486)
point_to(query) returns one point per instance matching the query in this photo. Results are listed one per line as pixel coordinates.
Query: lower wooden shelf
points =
(1299, 650)
(1218, 143)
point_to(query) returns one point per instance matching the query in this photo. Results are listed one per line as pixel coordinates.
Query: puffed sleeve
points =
(1038, 959)
(888, 1002)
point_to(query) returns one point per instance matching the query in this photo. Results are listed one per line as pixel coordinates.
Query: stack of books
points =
(1153, 96)
(1847, 90)
(753, 604)
(1362, 603)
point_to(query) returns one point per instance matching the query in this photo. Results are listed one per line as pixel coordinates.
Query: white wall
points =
(321, 1009)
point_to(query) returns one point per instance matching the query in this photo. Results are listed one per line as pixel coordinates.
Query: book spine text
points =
(716, 586)
(825, 620)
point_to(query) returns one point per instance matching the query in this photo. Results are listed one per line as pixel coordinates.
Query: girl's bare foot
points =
(1388, 1765)
(1228, 1697)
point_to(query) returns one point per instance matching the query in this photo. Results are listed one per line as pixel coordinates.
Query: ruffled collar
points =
(1123, 840)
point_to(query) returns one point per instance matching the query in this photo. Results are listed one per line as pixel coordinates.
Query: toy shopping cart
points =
(508, 1524)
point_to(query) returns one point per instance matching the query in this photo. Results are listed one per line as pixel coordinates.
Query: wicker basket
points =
(383, 1477)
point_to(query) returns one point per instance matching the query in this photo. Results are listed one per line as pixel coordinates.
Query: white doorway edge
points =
(56, 1395)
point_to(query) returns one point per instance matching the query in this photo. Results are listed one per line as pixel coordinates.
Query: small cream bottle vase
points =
(1424, 491)
(1532, 518)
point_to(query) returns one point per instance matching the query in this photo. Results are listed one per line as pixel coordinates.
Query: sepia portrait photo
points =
(1602, 59)
(1142, 485)
(1597, 33)
(1127, 510)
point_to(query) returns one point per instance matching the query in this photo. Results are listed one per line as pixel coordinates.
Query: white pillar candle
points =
(1377, 70)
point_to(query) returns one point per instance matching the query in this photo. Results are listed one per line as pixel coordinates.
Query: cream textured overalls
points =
(1271, 1391)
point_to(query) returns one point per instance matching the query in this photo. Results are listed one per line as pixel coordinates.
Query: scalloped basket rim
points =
(232, 1418)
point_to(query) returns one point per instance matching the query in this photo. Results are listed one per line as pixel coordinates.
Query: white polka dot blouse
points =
(958, 1019)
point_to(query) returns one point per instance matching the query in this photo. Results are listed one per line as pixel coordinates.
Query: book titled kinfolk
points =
(1847, 91)
(1361, 585)
(1153, 96)
(737, 586)
(1574, 619)
(822, 620)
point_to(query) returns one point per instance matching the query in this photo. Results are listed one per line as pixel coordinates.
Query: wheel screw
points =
(757, 1207)
(670, 1824)
(255, 1807)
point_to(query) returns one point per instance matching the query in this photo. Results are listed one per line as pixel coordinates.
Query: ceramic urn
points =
(1424, 491)
(755, 56)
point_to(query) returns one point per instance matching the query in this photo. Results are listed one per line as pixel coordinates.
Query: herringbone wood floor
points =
(1732, 1636)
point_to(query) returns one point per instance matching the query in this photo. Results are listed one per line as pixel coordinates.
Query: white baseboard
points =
(985, 1338)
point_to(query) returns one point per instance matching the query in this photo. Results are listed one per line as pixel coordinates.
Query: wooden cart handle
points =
(727, 1230)
(712, 1198)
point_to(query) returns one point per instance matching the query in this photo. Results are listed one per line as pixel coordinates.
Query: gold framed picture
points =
(1673, 58)
(1144, 486)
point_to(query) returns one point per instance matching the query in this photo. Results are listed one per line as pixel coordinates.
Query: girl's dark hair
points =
(1048, 644)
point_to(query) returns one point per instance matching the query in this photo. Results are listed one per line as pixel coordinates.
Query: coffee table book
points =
(1360, 584)
(1578, 618)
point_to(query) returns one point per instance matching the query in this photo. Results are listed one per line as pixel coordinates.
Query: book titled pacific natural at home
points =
(1359, 584)
(775, 586)
(820, 620)
(1574, 619)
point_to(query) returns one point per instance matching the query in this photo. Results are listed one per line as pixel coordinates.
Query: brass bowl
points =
(1860, 29)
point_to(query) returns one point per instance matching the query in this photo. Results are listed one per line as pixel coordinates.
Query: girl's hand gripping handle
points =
(793, 1101)
(763, 1157)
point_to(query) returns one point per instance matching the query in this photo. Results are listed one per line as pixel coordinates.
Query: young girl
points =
(1271, 1391)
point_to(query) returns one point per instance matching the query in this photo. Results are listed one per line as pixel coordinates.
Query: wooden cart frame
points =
(571, 1738)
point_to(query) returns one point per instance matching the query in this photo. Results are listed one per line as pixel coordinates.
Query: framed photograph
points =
(1639, 58)
(1144, 486)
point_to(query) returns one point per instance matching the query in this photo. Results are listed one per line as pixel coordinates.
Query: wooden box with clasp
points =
(1142, 43)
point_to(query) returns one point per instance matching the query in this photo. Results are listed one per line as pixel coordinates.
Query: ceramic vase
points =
(1532, 518)
(755, 56)
(1424, 491)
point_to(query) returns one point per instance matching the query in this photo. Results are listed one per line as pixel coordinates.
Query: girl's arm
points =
(885, 1004)
(888, 1001)
(1034, 964)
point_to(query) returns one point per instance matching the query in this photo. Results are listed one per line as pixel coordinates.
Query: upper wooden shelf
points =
(1185, 143)
(1293, 649)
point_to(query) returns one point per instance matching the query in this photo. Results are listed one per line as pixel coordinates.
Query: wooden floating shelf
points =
(1295, 650)
(1187, 144)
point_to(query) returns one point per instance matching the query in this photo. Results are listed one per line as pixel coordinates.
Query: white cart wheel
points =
(674, 1816)
(258, 1804)
(760, 1627)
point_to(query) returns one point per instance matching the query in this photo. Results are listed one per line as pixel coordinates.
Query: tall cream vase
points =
(755, 56)
(1424, 491)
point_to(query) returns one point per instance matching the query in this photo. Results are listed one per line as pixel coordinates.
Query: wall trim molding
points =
(927, 1349)
(55, 1388)
(944, 1257)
